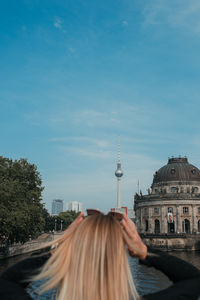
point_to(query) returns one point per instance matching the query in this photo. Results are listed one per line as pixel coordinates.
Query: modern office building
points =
(75, 206)
(57, 206)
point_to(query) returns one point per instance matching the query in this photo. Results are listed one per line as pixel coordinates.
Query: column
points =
(162, 229)
(178, 220)
(150, 220)
(194, 222)
(165, 220)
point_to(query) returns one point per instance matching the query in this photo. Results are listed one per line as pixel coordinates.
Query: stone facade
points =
(172, 205)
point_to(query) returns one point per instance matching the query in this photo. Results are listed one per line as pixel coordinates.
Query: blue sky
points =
(75, 74)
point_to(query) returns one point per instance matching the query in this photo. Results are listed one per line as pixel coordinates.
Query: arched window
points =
(195, 189)
(170, 209)
(199, 226)
(157, 226)
(186, 226)
(185, 210)
(173, 171)
(173, 189)
(193, 171)
(146, 225)
(171, 227)
(156, 210)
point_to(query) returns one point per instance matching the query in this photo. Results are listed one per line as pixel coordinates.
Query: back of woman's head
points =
(90, 262)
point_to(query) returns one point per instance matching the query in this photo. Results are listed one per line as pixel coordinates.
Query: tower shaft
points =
(118, 174)
(118, 193)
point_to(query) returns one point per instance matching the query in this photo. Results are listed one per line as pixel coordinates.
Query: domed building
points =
(172, 206)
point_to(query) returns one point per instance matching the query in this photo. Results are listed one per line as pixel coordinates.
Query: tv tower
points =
(118, 174)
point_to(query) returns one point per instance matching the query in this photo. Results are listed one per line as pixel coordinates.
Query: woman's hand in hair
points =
(132, 233)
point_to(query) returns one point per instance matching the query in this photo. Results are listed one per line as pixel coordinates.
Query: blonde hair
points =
(90, 262)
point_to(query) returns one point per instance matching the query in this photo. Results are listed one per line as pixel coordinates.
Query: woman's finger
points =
(131, 231)
(127, 228)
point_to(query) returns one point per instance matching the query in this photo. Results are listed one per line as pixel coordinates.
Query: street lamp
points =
(55, 224)
(61, 225)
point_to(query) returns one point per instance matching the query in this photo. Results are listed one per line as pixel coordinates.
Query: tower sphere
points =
(118, 172)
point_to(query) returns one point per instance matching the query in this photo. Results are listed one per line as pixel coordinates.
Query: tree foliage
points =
(60, 222)
(22, 215)
(21, 210)
(67, 217)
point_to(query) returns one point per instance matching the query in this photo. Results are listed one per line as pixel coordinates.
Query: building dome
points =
(177, 169)
(172, 205)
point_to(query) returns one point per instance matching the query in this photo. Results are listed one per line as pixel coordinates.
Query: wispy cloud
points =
(24, 28)
(72, 50)
(88, 147)
(98, 142)
(98, 188)
(124, 23)
(96, 118)
(89, 152)
(177, 14)
(58, 23)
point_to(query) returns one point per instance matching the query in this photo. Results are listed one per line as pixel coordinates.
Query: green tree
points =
(64, 218)
(49, 221)
(21, 210)
(67, 218)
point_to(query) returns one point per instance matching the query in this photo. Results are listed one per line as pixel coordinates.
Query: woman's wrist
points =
(144, 250)
(141, 254)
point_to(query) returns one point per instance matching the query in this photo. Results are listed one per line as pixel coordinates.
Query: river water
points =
(147, 280)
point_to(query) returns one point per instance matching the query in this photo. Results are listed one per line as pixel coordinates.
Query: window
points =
(199, 210)
(171, 227)
(186, 226)
(193, 171)
(173, 171)
(157, 227)
(173, 189)
(170, 209)
(156, 210)
(155, 190)
(199, 226)
(195, 189)
(185, 210)
(146, 211)
(146, 225)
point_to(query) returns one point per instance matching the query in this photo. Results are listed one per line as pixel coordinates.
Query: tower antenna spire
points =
(119, 149)
(118, 174)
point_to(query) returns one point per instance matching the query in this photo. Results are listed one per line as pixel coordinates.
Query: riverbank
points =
(175, 242)
(181, 242)
(7, 251)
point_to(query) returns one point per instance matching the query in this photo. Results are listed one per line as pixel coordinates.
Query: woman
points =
(90, 262)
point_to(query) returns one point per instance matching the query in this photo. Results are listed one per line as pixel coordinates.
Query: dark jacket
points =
(15, 280)
(185, 277)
